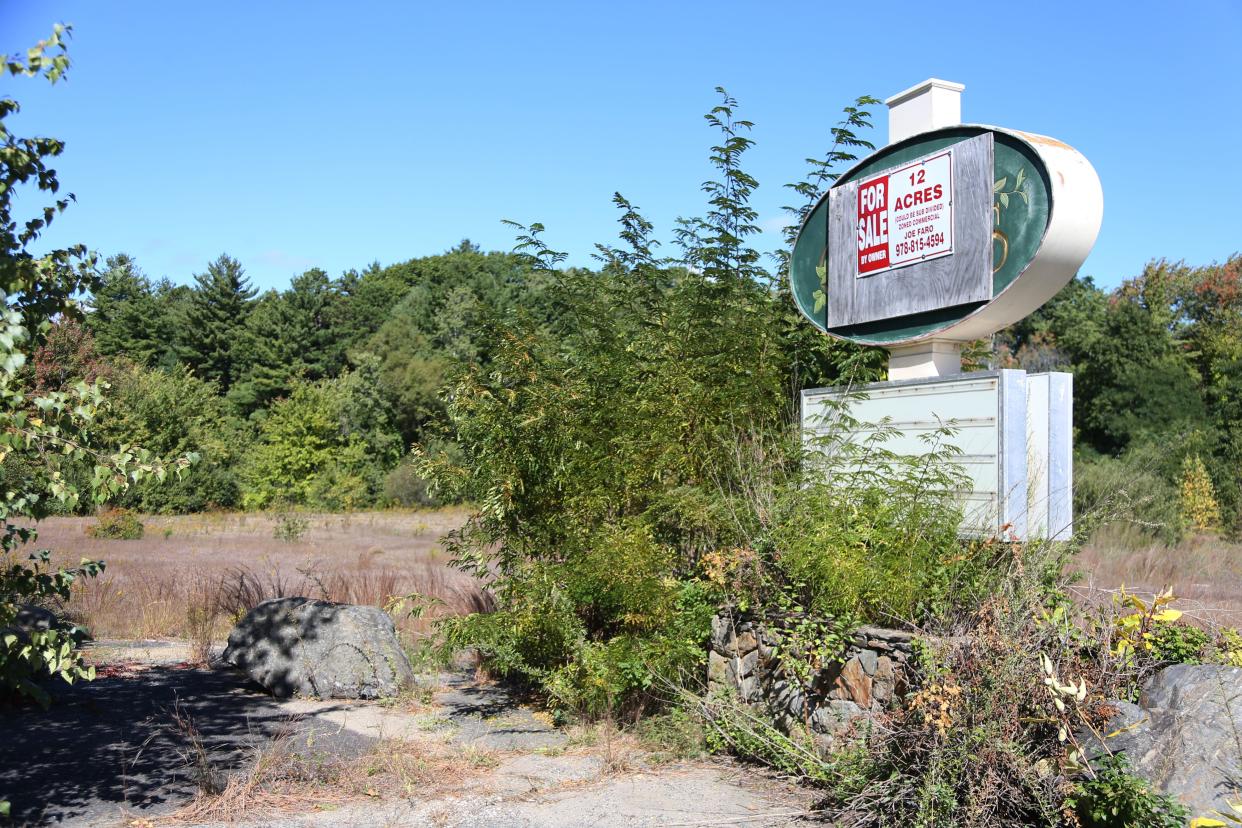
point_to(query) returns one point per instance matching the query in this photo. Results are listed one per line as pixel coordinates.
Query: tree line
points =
(310, 396)
(313, 395)
(1157, 368)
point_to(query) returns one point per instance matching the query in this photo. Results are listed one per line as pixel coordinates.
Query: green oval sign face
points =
(898, 248)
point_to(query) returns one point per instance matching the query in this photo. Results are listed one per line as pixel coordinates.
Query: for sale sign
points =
(906, 215)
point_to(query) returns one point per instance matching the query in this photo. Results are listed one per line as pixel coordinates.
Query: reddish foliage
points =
(66, 356)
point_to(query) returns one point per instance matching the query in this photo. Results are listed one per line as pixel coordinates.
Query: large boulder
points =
(297, 646)
(1185, 735)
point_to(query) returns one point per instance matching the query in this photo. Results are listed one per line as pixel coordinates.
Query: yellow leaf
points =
(1167, 615)
(1206, 822)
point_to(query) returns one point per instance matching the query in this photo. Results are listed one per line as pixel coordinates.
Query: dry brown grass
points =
(288, 775)
(192, 576)
(1204, 571)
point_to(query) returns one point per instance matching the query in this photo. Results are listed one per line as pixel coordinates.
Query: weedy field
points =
(191, 576)
(1203, 570)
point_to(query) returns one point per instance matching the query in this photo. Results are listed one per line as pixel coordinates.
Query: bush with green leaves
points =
(868, 534)
(116, 524)
(1177, 643)
(327, 446)
(1115, 797)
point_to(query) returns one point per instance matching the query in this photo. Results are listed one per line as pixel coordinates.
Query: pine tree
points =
(126, 317)
(214, 319)
(289, 336)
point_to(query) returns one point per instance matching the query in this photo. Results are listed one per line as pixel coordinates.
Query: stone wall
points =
(874, 672)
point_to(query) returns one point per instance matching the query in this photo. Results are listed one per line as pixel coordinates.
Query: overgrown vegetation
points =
(614, 456)
(116, 524)
(625, 433)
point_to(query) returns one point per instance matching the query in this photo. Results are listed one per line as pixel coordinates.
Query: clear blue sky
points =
(299, 134)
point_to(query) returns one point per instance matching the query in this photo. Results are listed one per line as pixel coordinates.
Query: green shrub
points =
(1130, 490)
(876, 554)
(116, 524)
(1176, 643)
(327, 446)
(290, 526)
(535, 631)
(404, 486)
(1116, 798)
(634, 464)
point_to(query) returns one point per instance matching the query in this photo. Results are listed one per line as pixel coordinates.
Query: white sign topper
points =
(906, 215)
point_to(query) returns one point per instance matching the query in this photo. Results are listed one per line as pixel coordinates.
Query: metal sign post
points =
(948, 234)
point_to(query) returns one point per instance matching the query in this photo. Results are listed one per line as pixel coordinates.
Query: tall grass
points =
(193, 577)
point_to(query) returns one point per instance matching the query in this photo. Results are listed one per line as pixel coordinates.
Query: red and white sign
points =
(906, 215)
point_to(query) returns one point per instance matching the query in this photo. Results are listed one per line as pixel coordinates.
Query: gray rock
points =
(835, 716)
(883, 634)
(740, 668)
(31, 619)
(869, 660)
(787, 698)
(717, 669)
(750, 690)
(34, 619)
(722, 632)
(296, 646)
(1185, 736)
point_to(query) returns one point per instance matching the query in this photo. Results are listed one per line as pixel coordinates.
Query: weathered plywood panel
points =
(961, 278)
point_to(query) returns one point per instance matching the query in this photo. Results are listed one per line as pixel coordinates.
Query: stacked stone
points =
(874, 671)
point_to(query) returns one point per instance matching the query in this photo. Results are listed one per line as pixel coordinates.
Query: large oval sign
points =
(951, 234)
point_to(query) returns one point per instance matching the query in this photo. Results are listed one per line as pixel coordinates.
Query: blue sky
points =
(307, 134)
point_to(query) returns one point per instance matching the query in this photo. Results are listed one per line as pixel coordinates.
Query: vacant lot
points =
(195, 571)
(189, 576)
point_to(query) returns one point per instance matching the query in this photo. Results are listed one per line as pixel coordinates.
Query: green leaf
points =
(1000, 185)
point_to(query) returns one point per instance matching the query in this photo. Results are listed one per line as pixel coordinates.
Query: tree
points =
(1198, 497)
(327, 445)
(214, 320)
(174, 413)
(437, 325)
(289, 336)
(126, 316)
(66, 357)
(610, 451)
